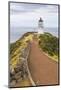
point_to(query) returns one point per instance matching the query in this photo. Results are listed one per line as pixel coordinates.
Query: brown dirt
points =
(44, 71)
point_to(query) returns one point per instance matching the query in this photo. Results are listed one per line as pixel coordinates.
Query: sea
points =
(17, 32)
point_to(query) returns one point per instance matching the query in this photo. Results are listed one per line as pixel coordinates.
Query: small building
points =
(40, 26)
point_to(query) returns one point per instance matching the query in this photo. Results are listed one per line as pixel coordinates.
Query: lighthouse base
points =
(40, 31)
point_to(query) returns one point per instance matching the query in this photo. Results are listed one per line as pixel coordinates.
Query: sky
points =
(27, 15)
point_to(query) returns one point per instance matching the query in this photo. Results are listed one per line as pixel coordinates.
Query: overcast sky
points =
(27, 15)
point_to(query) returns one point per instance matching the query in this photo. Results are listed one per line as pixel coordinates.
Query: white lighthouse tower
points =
(40, 26)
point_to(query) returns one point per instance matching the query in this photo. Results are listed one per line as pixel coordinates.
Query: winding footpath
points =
(44, 71)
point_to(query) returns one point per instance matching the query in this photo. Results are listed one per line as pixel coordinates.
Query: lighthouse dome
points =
(40, 20)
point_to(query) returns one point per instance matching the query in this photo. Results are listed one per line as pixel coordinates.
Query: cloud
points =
(22, 7)
(29, 14)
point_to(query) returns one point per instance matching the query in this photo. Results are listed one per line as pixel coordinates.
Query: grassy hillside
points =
(49, 44)
(18, 52)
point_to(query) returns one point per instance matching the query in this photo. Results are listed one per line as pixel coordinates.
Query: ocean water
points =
(53, 31)
(16, 33)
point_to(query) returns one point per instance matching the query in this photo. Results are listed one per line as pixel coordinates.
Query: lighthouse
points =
(40, 26)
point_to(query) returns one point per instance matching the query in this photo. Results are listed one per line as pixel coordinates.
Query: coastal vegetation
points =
(18, 67)
(49, 44)
(18, 52)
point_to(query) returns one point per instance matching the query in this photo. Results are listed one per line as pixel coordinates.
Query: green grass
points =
(16, 55)
(49, 44)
